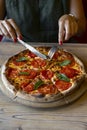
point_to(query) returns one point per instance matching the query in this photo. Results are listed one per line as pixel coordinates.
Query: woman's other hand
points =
(68, 27)
(9, 29)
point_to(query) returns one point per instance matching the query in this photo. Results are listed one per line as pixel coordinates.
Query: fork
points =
(52, 51)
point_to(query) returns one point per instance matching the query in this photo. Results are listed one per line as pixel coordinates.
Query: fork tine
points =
(52, 51)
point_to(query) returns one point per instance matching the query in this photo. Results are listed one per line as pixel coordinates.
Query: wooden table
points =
(15, 116)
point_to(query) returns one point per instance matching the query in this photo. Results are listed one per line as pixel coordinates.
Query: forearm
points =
(77, 10)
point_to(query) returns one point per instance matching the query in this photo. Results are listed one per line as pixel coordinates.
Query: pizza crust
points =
(38, 99)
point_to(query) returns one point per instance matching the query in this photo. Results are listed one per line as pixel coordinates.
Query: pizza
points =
(37, 80)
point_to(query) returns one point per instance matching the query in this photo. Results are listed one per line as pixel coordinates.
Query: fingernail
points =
(20, 37)
(60, 42)
(15, 40)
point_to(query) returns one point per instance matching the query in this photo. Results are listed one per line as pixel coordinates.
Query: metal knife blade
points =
(32, 49)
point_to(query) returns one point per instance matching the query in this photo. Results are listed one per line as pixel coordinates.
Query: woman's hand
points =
(9, 29)
(68, 27)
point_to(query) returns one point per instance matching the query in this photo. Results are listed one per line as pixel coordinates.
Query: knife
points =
(32, 49)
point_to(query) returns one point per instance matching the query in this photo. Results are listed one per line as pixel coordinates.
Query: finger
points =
(10, 30)
(61, 32)
(75, 27)
(4, 30)
(17, 30)
(68, 30)
(72, 29)
(1, 32)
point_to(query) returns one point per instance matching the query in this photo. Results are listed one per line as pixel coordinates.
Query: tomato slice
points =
(13, 73)
(29, 74)
(47, 74)
(62, 56)
(69, 72)
(19, 63)
(68, 56)
(27, 87)
(56, 55)
(8, 71)
(48, 89)
(36, 63)
(62, 85)
(32, 55)
(23, 85)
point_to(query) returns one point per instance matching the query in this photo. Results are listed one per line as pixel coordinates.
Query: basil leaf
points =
(65, 62)
(38, 84)
(63, 77)
(24, 73)
(22, 59)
